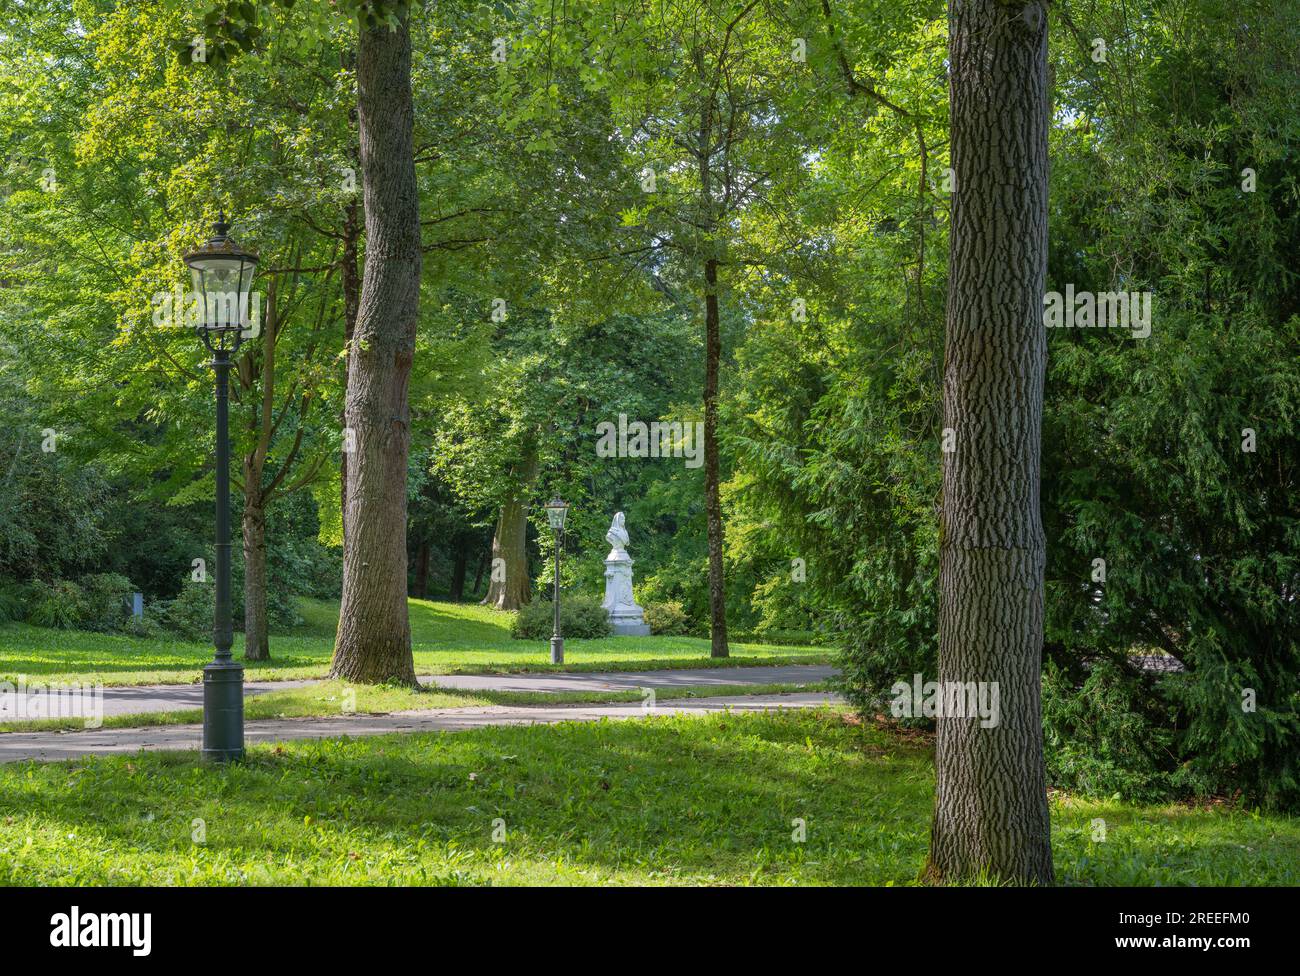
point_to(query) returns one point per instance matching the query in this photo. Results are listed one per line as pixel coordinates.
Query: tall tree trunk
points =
(257, 645)
(257, 642)
(422, 571)
(508, 587)
(712, 477)
(374, 635)
(991, 811)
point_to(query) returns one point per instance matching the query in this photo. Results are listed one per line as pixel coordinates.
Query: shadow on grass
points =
(711, 800)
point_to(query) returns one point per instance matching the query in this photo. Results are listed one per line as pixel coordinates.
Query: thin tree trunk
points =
(257, 646)
(458, 573)
(991, 813)
(257, 642)
(482, 565)
(712, 477)
(422, 571)
(351, 279)
(374, 635)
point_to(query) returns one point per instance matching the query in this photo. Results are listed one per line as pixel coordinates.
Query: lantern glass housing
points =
(222, 273)
(556, 510)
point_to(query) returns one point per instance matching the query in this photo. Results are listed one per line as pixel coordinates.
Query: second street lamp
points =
(556, 510)
(222, 272)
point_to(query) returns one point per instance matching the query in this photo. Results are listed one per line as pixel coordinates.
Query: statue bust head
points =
(617, 535)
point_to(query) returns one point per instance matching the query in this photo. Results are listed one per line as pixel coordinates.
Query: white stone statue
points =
(617, 536)
(626, 617)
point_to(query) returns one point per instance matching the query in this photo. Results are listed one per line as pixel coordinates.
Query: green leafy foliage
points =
(190, 615)
(13, 601)
(580, 616)
(822, 196)
(58, 604)
(107, 599)
(668, 617)
(835, 429)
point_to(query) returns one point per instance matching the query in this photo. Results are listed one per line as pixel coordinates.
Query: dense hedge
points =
(102, 602)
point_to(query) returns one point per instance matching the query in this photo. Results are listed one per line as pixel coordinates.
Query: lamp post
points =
(556, 510)
(222, 273)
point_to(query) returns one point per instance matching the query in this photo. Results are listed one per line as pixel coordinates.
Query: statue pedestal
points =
(627, 619)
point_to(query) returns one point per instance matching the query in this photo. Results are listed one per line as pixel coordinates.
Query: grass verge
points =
(669, 800)
(447, 638)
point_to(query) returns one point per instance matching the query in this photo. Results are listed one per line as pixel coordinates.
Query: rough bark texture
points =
(991, 812)
(510, 541)
(712, 475)
(374, 636)
(510, 544)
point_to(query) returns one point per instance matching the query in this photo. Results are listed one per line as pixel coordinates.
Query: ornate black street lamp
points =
(222, 272)
(556, 510)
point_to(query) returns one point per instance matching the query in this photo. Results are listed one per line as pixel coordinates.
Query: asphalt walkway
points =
(142, 699)
(47, 746)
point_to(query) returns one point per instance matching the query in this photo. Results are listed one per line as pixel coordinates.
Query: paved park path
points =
(141, 699)
(17, 746)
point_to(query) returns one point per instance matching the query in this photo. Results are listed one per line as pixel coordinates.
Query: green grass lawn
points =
(660, 801)
(447, 638)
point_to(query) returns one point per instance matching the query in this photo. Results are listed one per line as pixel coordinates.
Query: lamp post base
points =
(223, 712)
(557, 650)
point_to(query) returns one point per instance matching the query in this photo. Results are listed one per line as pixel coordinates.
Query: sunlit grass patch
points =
(446, 638)
(666, 800)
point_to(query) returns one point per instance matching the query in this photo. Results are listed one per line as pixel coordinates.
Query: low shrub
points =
(107, 601)
(13, 601)
(580, 616)
(145, 626)
(59, 604)
(668, 618)
(776, 635)
(190, 615)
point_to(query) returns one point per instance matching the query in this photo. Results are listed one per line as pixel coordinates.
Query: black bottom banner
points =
(145, 926)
